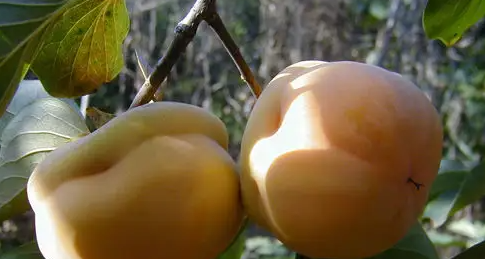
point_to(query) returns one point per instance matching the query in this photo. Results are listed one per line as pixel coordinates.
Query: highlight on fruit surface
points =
(154, 182)
(337, 158)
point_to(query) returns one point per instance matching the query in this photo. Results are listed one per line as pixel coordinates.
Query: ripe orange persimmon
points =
(337, 158)
(155, 182)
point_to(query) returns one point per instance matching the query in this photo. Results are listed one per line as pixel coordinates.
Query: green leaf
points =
(22, 24)
(446, 181)
(474, 252)
(456, 165)
(450, 176)
(82, 49)
(469, 190)
(95, 118)
(415, 245)
(447, 20)
(35, 131)
(26, 251)
(472, 189)
(236, 250)
(27, 92)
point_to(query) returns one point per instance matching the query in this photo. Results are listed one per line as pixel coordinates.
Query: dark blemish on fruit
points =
(418, 185)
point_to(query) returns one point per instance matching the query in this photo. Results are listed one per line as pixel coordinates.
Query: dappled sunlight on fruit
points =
(331, 154)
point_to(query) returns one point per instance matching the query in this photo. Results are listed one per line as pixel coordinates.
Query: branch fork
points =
(185, 31)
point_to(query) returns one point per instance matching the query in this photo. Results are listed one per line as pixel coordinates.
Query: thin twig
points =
(185, 32)
(217, 25)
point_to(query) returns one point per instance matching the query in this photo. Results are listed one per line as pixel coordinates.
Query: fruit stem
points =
(418, 185)
(185, 31)
(217, 25)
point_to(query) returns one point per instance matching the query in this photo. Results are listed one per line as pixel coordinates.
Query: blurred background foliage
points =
(272, 34)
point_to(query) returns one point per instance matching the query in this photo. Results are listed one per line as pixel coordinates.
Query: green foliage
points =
(21, 27)
(379, 9)
(34, 34)
(26, 251)
(236, 249)
(36, 124)
(453, 191)
(415, 245)
(82, 48)
(447, 20)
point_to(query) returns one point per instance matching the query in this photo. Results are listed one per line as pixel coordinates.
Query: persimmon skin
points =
(329, 156)
(155, 182)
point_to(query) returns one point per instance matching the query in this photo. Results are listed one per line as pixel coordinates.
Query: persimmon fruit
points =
(154, 182)
(337, 158)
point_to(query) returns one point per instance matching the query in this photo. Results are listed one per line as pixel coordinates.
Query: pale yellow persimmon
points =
(155, 182)
(337, 158)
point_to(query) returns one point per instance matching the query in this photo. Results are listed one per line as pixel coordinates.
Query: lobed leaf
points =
(447, 20)
(35, 131)
(82, 49)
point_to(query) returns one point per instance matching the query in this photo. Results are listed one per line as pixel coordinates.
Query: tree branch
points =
(185, 31)
(217, 25)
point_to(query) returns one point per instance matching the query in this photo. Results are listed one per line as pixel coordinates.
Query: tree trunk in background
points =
(293, 31)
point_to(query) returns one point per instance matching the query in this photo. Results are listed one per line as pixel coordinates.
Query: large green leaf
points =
(35, 131)
(415, 245)
(27, 92)
(72, 45)
(446, 181)
(83, 48)
(450, 176)
(26, 251)
(457, 195)
(447, 20)
(22, 24)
